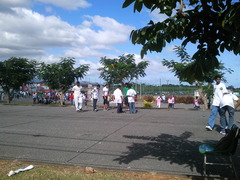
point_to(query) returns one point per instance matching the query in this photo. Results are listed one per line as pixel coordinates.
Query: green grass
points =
(62, 172)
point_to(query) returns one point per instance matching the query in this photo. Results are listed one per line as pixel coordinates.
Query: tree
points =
(212, 25)
(122, 70)
(15, 72)
(186, 72)
(60, 76)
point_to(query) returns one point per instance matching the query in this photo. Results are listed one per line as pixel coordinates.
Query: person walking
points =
(78, 98)
(95, 96)
(118, 97)
(227, 104)
(131, 93)
(158, 101)
(219, 90)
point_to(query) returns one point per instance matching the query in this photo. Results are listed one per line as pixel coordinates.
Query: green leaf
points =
(127, 3)
(222, 47)
(148, 4)
(138, 6)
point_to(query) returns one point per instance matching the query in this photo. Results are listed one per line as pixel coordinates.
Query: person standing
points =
(219, 90)
(227, 104)
(196, 103)
(163, 98)
(105, 92)
(71, 97)
(208, 102)
(95, 96)
(171, 101)
(158, 101)
(77, 96)
(118, 97)
(131, 93)
(34, 96)
(125, 89)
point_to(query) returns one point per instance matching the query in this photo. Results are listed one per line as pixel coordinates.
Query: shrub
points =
(147, 104)
(148, 98)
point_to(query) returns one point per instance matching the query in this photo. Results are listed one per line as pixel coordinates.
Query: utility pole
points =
(160, 86)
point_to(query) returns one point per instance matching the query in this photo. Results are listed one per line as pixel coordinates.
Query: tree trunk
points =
(61, 97)
(202, 95)
(9, 96)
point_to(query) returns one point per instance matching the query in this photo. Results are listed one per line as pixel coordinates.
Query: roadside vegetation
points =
(62, 172)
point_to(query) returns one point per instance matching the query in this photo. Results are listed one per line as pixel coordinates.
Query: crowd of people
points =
(51, 97)
(223, 101)
(128, 97)
(77, 97)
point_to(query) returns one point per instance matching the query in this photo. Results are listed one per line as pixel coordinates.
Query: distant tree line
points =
(60, 76)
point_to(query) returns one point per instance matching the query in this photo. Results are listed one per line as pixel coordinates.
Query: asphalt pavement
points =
(153, 140)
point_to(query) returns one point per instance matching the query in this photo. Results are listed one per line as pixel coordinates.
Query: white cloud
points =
(109, 31)
(14, 3)
(48, 9)
(68, 4)
(156, 17)
(156, 72)
(28, 32)
(82, 52)
(170, 48)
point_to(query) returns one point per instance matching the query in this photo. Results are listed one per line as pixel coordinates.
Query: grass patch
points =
(61, 172)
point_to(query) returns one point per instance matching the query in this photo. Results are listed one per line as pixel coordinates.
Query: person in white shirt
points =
(219, 90)
(131, 93)
(105, 92)
(118, 97)
(78, 97)
(95, 96)
(227, 104)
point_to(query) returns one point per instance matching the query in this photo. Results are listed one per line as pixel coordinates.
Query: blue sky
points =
(47, 30)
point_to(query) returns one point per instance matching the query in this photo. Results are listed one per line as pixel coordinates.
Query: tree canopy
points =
(122, 69)
(60, 76)
(15, 72)
(213, 25)
(186, 69)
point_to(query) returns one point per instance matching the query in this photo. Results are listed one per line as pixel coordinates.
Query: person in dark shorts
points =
(105, 92)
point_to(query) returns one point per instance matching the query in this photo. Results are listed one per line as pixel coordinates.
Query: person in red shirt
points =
(71, 97)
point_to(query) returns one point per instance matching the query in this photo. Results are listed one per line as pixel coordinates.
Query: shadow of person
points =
(169, 148)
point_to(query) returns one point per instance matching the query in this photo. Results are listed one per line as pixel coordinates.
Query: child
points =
(196, 103)
(71, 97)
(171, 102)
(81, 100)
(158, 101)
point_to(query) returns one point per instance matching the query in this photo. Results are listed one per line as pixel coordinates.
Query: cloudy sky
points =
(47, 30)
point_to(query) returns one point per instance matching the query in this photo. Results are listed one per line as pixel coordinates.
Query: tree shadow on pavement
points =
(174, 149)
